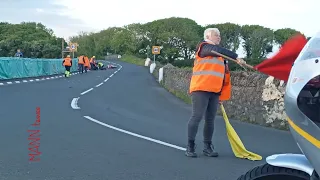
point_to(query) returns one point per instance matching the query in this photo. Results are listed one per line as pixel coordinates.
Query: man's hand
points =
(241, 61)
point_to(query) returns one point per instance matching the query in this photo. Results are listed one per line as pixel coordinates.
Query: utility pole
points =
(62, 48)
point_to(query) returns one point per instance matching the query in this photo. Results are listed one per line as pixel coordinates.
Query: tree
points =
(258, 40)
(34, 39)
(282, 35)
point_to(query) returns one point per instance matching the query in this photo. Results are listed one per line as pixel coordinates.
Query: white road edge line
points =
(99, 85)
(74, 103)
(135, 135)
(86, 91)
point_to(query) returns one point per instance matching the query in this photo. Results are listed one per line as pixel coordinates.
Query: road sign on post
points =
(155, 49)
(73, 47)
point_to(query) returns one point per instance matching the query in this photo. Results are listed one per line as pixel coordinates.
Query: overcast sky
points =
(68, 17)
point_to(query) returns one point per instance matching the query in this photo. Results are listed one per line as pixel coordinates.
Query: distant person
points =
(86, 64)
(67, 63)
(81, 63)
(19, 54)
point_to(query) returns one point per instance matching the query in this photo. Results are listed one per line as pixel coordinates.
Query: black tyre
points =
(268, 172)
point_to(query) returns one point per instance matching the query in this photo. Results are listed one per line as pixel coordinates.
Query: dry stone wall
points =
(256, 98)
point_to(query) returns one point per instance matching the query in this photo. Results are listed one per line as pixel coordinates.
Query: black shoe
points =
(190, 152)
(209, 150)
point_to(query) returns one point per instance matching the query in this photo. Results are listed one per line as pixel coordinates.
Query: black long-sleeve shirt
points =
(205, 50)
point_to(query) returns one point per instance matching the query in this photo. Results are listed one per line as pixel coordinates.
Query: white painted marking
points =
(99, 85)
(1, 84)
(43, 79)
(86, 91)
(56, 76)
(17, 81)
(9, 82)
(47, 78)
(31, 80)
(74, 103)
(24, 81)
(135, 135)
(106, 80)
(37, 79)
(52, 77)
(60, 76)
(111, 75)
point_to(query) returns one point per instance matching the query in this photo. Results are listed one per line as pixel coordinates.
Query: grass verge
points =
(133, 60)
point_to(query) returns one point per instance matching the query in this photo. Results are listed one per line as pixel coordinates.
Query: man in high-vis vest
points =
(67, 63)
(210, 84)
(81, 63)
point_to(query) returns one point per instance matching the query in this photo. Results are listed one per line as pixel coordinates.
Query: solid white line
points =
(99, 85)
(9, 82)
(74, 103)
(17, 81)
(86, 91)
(135, 135)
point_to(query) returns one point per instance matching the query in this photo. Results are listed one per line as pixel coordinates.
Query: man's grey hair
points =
(209, 31)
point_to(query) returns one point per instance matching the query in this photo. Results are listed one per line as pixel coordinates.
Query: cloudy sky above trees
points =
(69, 17)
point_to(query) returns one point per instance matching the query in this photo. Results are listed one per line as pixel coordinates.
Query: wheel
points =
(269, 172)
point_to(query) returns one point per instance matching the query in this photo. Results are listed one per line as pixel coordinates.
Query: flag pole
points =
(231, 59)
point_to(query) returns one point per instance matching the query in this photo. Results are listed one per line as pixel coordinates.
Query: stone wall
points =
(256, 98)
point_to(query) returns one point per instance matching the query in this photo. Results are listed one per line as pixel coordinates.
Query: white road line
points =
(31, 80)
(135, 135)
(9, 82)
(74, 103)
(24, 81)
(111, 75)
(17, 82)
(86, 91)
(106, 80)
(47, 78)
(1, 84)
(37, 79)
(99, 85)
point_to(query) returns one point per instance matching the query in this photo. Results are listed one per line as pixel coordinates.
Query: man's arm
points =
(207, 48)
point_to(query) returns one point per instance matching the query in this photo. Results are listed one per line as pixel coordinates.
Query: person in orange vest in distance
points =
(210, 84)
(92, 62)
(86, 64)
(67, 63)
(81, 63)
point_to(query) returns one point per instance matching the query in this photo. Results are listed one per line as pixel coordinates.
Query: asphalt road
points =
(85, 144)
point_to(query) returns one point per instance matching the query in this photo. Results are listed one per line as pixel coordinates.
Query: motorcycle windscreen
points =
(311, 49)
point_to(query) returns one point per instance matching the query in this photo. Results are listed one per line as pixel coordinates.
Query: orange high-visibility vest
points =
(81, 60)
(209, 74)
(86, 63)
(67, 61)
(91, 60)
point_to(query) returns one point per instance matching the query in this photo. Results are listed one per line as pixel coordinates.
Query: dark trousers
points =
(86, 69)
(203, 103)
(67, 68)
(81, 67)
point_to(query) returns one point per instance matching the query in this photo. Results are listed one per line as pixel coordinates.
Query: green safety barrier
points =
(11, 68)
